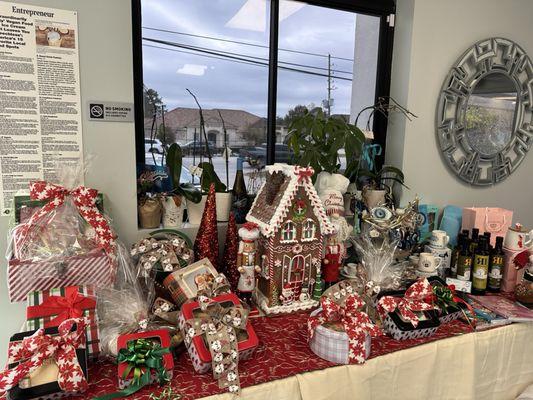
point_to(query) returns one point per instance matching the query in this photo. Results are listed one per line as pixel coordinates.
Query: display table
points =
(494, 364)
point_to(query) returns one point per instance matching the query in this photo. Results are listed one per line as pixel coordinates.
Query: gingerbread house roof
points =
(270, 215)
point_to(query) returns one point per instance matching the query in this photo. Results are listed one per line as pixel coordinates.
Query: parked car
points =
(153, 146)
(198, 148)
(256, 156)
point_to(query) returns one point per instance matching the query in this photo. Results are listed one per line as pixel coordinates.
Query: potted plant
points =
(317, 140)
(148, 203)
(174, 201)
(378, 187)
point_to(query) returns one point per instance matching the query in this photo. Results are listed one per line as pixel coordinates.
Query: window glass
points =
(219, 51)
(309, 229)
(289, 231)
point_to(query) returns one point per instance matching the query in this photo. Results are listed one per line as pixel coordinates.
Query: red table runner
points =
(283, 351)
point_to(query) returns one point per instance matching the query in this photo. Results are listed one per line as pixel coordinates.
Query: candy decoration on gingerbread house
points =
(292, 224)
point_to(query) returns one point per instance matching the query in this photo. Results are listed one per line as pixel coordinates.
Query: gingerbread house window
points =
(309, 230)
(288, 232)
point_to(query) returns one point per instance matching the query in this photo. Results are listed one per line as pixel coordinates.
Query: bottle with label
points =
(240, 195)
(487, 235)
(455, 255)
(474, 240)
(480, 268)
(464, 262)
(497, 262)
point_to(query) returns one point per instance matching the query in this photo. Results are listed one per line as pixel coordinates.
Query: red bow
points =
(32, 351)
(70, 306)
(304, 173)
(413, 300)
(85, 200)
(356, 323)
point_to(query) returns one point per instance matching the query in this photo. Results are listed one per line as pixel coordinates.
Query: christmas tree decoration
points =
(318, 289)
(229, 259)
(247, 260)
(206, 243)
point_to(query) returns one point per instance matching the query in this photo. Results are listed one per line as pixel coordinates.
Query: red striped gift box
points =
(93, 268)
(42, 312)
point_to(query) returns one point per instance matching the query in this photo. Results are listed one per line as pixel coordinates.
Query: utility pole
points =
(329, 85)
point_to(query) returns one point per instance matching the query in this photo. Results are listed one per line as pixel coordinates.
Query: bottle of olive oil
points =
(455, 255)
(497, 262)
(480, 267)
(464, 261)
(474, 240)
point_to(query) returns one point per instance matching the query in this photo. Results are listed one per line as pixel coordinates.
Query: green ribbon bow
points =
(143, 356)
(444, 297)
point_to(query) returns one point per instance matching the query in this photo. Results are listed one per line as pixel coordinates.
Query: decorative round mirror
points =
(484, 114)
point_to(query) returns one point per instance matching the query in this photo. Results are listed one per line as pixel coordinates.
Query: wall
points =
(106, 74)
(430, 35)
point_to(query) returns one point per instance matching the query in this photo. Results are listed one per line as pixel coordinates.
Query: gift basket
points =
(449, 306)
(66, 242)
(339, 331)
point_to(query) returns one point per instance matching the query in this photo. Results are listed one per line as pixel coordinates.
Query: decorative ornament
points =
(206, 243)
(231, 248)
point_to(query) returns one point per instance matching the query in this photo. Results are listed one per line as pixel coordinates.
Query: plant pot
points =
(173, 208)
(196, 210)
(374, 197)
(224, 201)
(150, 213)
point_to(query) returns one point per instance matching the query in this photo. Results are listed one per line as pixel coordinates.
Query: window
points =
(309, 230)
(288, 232)
(253, 65)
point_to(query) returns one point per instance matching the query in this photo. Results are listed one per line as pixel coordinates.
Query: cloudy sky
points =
(222, 83)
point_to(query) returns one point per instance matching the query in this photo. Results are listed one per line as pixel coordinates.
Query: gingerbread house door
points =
(295, 273)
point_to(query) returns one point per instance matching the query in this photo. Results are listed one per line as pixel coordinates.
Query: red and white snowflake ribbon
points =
(85, 200)
(414, 300)
(33, 350)
(355, 322)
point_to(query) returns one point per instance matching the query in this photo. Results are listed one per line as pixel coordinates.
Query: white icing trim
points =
(270, 228)
(262, 302)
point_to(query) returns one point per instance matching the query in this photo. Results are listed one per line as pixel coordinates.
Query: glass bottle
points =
(487, 235)
(474, 240)
(464, 262)
(497, 262)
(480, 268)
(240, 195)
(455, 254)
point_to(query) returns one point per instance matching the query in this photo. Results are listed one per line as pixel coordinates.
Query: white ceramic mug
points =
(428, 262)
(517, 238)
(439, 238)
(351, 269)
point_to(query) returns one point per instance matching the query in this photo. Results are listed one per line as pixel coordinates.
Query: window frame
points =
(384, 9)
(294, 231)
(305, 230)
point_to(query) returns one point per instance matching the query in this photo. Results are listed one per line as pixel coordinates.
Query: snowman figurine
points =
(247, 261)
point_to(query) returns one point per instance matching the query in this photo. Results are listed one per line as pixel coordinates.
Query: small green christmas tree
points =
(317, 290)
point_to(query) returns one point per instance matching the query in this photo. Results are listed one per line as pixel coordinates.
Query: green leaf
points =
(210, 176)
(174, 164)
(190, 192)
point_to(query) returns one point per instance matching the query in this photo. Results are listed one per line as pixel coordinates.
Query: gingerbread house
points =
(292, 223)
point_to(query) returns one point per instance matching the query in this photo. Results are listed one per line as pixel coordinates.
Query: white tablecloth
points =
(494, 364)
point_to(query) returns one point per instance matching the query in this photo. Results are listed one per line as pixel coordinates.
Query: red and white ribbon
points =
(356, 323)
(33, 350)
(85, 200)
(413, 301)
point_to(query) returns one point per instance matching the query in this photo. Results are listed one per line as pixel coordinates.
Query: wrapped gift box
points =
(162, 337)
(452, 312)
(197, 349)
(332, 344)
(401, 329)
(42, 383)
(48, 308)
(26, 276)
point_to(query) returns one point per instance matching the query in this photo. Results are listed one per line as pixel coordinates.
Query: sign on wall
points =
(40, 111)
(110, 111)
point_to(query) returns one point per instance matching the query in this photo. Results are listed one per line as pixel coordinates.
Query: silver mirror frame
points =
(483, 58)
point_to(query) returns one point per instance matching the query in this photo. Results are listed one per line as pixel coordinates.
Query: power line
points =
(245, 43)
(261, 58)
(232, 57)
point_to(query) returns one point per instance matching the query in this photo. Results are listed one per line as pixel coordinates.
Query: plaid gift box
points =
(332, 345)
(48, 308)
